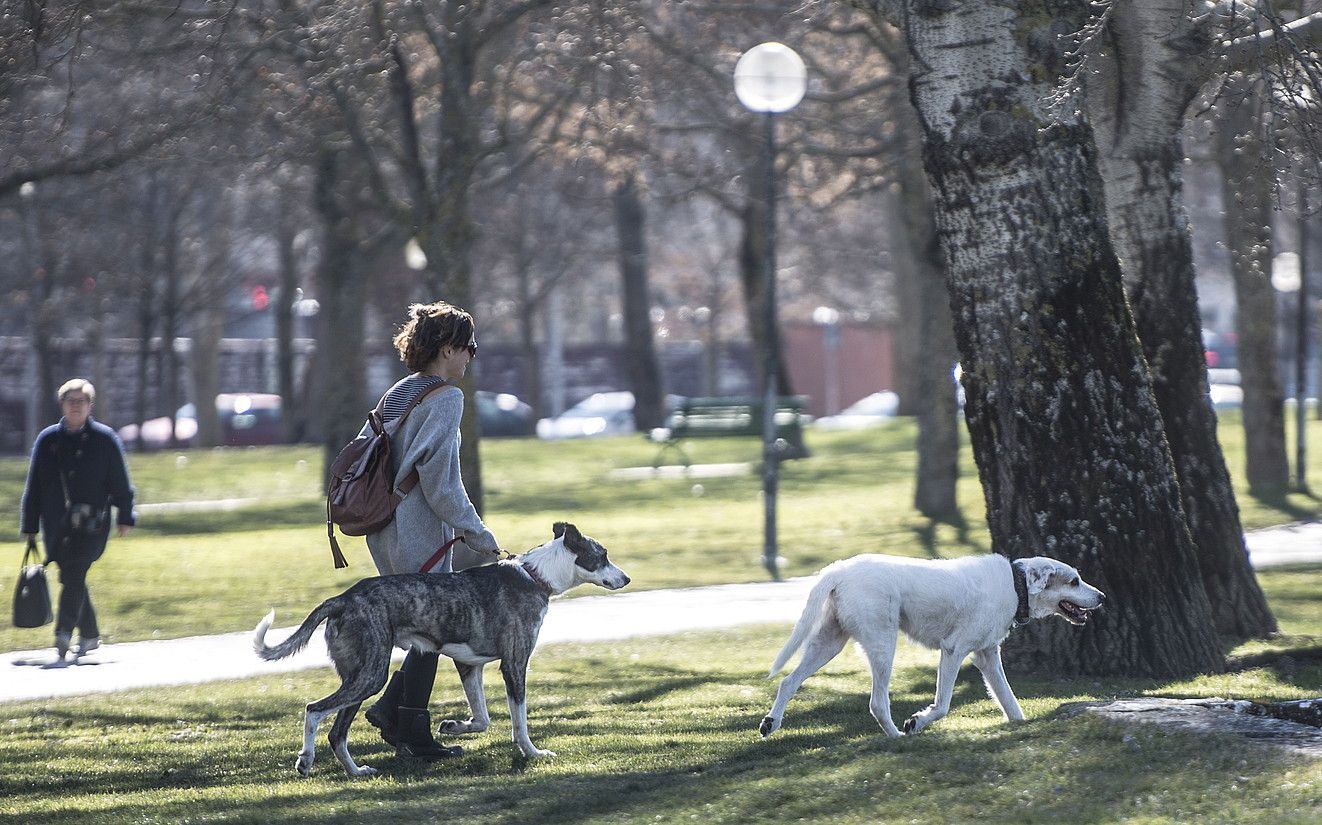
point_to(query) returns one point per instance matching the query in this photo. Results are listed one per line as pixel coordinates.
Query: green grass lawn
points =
(184, 573)
(664, 730)
(651, 730)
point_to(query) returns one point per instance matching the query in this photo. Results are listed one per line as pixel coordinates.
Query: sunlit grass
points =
(193, 572)
(664, 730)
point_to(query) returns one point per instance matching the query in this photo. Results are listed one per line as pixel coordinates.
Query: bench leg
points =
(667, 446)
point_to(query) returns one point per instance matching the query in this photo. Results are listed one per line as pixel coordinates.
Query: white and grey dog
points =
(960, 606)
(480, 615)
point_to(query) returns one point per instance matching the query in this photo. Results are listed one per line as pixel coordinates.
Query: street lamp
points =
(770, 78)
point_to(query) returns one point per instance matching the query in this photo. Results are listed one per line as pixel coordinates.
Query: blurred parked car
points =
(502, 414)
(156, 431)
(249, 418)
(601, 413)
(1220, 350)
(1224, 389)
(865, 412)
(245, 419)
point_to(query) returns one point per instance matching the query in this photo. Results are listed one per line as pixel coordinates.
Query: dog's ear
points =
(558, 529)
(1037, 572)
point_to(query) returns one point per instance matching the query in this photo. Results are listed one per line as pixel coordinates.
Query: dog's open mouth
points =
(1073, 613)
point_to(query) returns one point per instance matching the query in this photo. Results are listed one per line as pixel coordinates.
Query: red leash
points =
(438, 555)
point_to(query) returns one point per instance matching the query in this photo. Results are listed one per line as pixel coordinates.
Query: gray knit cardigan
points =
(429, 515)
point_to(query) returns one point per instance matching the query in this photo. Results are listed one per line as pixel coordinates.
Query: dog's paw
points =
(364, 770)
(454, 726)
(539, 753)
(304, 764)
(769, 726)
(912, 725)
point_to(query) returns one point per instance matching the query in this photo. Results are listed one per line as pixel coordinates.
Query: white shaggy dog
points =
(960, 606)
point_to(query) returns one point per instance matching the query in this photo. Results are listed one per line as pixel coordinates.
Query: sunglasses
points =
(472, 349)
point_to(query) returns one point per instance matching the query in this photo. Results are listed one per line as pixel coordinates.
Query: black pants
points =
(75, 610)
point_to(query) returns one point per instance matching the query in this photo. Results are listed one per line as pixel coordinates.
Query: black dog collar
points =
(1021, 616)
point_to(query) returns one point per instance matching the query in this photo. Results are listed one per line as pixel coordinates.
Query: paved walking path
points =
(27, 674)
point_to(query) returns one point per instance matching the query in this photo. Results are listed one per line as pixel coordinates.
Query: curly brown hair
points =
(430, 328)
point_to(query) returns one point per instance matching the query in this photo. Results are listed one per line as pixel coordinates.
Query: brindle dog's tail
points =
(299, 640)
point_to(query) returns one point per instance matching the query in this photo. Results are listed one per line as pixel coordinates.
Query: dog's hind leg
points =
(479, 719)
(339, 741)
(946, 673)
(367, 680)
(516, 675)
(311, 721)
(988, 660)
(824, 645)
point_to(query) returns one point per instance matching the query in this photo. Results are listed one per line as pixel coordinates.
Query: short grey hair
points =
(77, 385)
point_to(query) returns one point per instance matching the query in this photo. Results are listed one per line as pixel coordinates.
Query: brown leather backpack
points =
(360, 494)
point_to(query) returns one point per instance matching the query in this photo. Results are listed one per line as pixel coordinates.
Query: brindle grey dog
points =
(479, 615)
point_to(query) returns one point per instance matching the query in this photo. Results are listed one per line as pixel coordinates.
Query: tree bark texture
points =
(640, 353)
(932, 339)
(448, 239)
(1247, 176)
(1065, 429)
(343, 406)
(1138, 115)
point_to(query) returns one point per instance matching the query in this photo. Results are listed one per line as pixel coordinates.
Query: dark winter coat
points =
(94, 470)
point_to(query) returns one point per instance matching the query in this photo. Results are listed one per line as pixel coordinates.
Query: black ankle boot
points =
(384, 713)
(415, 739)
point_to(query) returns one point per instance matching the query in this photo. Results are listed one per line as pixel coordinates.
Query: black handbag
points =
(32, 606)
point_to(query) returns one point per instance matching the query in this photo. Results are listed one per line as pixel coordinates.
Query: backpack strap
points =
(377, 424)
(411, 480)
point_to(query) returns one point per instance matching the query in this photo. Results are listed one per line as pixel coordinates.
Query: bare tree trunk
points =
(1139, 114)
(449, 243)
(169, 373)
(932, 347)
(1247, 181)
(206, 374)
(1065, 429)
(532, 385)
(752, 269)
(639, 352)
(340, 337)
(284, 328)
(44, 313)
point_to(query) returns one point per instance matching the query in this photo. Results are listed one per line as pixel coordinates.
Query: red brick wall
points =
(864, 362)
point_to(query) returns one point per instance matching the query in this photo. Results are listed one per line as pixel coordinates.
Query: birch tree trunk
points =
(1247, 186)
(1065, 429)
(1138, 115)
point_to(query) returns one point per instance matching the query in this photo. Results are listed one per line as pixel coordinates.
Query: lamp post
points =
(770, 78)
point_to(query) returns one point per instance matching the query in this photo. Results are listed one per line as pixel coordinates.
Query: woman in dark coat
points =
(77, 471)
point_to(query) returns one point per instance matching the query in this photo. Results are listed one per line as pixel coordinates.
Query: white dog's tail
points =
(818, 603)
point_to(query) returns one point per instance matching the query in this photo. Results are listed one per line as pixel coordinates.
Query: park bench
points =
(729, 417)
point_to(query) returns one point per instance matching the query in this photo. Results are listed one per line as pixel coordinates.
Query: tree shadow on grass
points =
(927, 533)
(1278, 498)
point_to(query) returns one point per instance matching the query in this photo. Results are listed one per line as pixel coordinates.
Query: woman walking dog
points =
(77, 471)
(437, 344)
